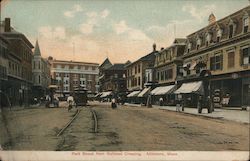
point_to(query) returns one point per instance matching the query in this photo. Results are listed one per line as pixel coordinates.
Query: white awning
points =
(193, 65)
(193, 87)
(133, 94)
(98, 94)
(144, 92)
(162, 90)
(105, 94)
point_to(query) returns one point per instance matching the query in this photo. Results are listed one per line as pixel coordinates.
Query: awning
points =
(192, 87)
(133, 94)
(193, 65)
(98, 94)
(53, 86)
(105, 94)
(162, 90)
(144, 92)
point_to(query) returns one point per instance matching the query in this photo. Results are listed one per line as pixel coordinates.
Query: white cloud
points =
(199, 13)
(52, 33)
(120, 27)
(131, 33)
(93, 20)
(75, 9)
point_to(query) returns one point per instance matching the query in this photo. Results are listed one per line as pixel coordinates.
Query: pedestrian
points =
(70, 101)
(161, 101)
(113, 103)
(47, 99)
(179, 103)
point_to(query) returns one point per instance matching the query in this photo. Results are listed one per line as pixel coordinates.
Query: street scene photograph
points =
(123, 78)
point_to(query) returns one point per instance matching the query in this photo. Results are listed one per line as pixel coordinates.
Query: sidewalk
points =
(227, 114)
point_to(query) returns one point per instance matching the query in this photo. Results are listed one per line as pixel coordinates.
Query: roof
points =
(106, 62)
(147, 57)
(247, 9)
(37, 49)
(14, 33)
(180, 40)
(117, 67)
(72, 62)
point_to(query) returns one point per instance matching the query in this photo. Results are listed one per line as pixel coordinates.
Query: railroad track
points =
(75, 116)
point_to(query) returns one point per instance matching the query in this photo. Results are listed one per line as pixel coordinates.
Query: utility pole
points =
(73, 51)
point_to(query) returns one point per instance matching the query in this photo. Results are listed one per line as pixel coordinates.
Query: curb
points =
(205, 116)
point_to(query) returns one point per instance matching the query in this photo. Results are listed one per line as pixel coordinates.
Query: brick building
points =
(19, 71)
(72, 74)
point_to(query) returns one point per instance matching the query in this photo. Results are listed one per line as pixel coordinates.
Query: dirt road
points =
(123, 129)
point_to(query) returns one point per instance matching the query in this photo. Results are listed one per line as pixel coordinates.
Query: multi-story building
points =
(19, 69)
(140, 77)
(72, 74)
(220, 54)
(41, 73)
(3, 69)
(168, 65)
(112, 78)
(136, 71)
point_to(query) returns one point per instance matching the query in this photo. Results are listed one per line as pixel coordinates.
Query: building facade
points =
(141, 71)
(70, 75)
(41, 73)
(168, 64)
(113, 78)
(19, 70)
(220, 52)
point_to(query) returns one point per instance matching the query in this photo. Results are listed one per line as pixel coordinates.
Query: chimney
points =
(154, 47)
(7, 25)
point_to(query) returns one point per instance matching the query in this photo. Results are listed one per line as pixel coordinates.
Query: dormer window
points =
(198, 44)
(231, 31)
(245, 24)
(189, 47)
(231, 28)
(208, 38)
(219, 34)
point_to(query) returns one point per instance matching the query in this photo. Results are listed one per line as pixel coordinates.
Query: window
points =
(246, 56)
(231, 30)
(219, 34)
(245, 24)
(93, 68)
(39, 79)
(139, 68)
(139, 81)
(216, 62)
(86, 67)
(198, 43)
(135, 69)
(162, 75)
(231, 57)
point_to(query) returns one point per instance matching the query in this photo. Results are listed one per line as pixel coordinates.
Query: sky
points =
(92, 30)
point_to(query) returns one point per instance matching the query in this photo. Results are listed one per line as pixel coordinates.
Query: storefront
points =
(190, 92)
(132, 97)
(143, 95)
(163, 93)
(234, 86)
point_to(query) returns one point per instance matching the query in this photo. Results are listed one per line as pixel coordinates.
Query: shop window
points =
(231, 57)
(216, 62)
(246, 56)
